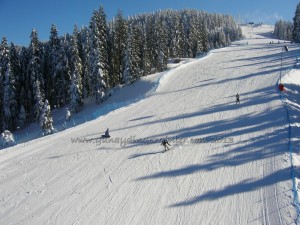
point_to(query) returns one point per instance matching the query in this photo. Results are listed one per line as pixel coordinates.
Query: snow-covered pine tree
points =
(37, 99)
(22, 114)
(173, 39)
(96, 75)
(120, 30)
(138, 47)
(185, 30)
(103, 44)
(221, 38)
(16, 71)
(4, 62)
(296, 30)
(204, 39)
(25, 94)
(113, 77)
(8, 92)
(127, 72)
(194, 37)
(45, 119)
(132, 58)
(162, 50)
(186, 26)
(75, 95)
(1, 100)
(278, 29)
(65, 58)
(54, 71)
(145, 53)
(100, 85)
(4, 56)
(35, 75)
(283, 30)
(76, 81)
(178, 36)
(85, 43)
(21, 119)
(76, 63)
(288, 31)
(9, 100)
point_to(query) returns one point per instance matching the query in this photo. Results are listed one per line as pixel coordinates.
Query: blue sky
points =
(17, 18)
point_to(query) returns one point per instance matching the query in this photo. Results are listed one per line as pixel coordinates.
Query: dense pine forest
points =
(290, 31)
(69, 68)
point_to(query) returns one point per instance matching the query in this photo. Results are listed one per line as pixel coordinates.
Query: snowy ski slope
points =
(237, 173)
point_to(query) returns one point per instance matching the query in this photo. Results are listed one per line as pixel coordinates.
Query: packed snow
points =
(290, 96)
(228, 163)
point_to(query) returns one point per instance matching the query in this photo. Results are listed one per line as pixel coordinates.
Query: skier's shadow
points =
(143, 154)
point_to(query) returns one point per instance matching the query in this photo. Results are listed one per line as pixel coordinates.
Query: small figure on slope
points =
(237, 98)
(106, 135)
(165, 143)
(68, 115)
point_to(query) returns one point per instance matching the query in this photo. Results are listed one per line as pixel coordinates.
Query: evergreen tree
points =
(296, 30)
(127, 73)
(145, 54)
(21, 117)
(9, 100)
(37, 100)
(4, 64)
(100, 85)
(85, 43)
(76, 64)
(25, 90)
(96, 74)
(55, 74)
(76, 81)
(119, 46)
(178, 37)
(4, 56)
(45, 120)
(8, 92)
(162, 51)
(16, 70)
(103, 44)
(150, 43)
(221, 38)
(35, 75)
(113, 78)
(76, 100)
(194, 38)
(73, 67)
(132, 56)
(283, 30)
(65, 61)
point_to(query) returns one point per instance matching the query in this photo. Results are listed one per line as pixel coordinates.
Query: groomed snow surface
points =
(290, 97)
(228, 163)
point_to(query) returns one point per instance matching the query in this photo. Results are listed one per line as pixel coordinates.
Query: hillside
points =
(228, 163)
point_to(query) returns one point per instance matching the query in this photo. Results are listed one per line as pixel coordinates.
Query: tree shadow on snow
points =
(271, 143)
(143, 154)
(244, 186)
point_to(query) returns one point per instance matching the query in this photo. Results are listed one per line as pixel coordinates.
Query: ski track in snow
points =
(236, 176)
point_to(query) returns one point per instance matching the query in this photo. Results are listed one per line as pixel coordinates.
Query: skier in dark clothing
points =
(165, 143)
(106, 135)
(237, 98)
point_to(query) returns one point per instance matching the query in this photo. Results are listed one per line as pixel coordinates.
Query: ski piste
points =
(53, 181)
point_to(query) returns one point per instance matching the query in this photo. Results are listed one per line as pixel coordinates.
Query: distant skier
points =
(237, 98)
(106, 135)
(165, 143)
(68, 115)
